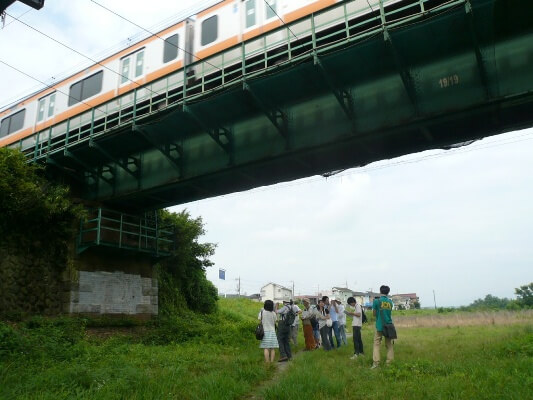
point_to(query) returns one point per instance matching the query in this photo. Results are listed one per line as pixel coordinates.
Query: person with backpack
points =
(307, 315)
(356, 311)
(288, 315)
(382, 310)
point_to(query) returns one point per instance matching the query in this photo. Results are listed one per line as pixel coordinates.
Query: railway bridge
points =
(330, 91)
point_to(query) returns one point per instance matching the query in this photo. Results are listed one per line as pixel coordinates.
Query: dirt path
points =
(281, 367)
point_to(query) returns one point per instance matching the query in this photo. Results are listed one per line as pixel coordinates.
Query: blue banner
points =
(222, 274)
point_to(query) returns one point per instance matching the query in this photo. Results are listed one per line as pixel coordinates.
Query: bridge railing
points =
(295, 42)
(105, 227)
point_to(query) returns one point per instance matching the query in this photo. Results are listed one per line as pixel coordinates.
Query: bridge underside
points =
(451, 76)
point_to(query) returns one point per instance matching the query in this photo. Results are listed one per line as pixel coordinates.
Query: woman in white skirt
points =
(269, 343)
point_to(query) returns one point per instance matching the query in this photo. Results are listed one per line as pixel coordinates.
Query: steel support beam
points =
(173, 152)
(407, 79)
(479, 57)
(88, 169)
(278, 117)
(222, 136)
(344, 97)
(124, 165)
(68, 171)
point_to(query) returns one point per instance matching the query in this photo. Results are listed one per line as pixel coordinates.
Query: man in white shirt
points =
(356, 312)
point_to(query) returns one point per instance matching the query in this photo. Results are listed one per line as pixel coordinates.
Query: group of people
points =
(320, 323)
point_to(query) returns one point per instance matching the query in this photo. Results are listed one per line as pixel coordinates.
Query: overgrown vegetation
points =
(37, 226)
(215, 356)
(183, 285)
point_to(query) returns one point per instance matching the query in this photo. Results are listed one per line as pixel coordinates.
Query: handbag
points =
(389, 330)
(329, 323)
(259, 330)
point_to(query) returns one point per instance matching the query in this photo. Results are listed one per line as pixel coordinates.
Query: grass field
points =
(487, 361)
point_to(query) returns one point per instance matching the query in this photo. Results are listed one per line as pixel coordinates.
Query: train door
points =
(46, 107)
(131, 67)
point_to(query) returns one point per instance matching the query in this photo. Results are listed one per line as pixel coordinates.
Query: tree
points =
(525, 295)
(491, 301)
(183, 283)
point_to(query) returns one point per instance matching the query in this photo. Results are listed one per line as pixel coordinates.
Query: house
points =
(359, 297)
(313, 298)
(401, 302)
(276, 293)
(404, 301)
(341, 294)
(369, 299)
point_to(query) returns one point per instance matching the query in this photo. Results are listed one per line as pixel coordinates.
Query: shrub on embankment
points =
(65, 338)
(37, 226)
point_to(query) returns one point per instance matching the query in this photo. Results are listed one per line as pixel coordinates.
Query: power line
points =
(277, 15)
(20, 16)
(49, 87)
(81, 54)
(153, 34)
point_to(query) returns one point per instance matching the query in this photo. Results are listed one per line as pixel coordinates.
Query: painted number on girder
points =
(449, 81)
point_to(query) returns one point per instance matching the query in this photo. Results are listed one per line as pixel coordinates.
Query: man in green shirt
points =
(382, 310)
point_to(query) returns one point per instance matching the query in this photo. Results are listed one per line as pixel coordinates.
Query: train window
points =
(85, 88)
(45, 107)
(139, 63)
(51, 104)
(209, 30)
(270, 6)
(250, 13)
(125, 70)
(12, 123)
(40, 106)
(170, 51)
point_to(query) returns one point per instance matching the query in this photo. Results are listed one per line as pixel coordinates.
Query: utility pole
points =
(434, 301)
(239, 286)
(292, 290)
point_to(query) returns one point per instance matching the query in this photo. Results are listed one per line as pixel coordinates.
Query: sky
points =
(456, 223)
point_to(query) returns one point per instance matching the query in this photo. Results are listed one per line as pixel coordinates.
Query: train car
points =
(134, 75)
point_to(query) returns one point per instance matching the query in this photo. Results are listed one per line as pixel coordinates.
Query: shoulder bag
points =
(259, 330)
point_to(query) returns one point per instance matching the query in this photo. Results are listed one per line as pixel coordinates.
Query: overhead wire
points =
(48, 86)
(283, 22)
(154, 34)
(81, 54)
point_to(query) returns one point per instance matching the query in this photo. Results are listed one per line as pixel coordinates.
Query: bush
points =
(11, 341)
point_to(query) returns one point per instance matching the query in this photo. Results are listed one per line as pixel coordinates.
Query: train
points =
(222, 26)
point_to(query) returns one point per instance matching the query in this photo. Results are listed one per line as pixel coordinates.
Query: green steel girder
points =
(87, 168)
(173, 152)
(405, 74)
(344, 97)
(70, 172)
(479, 57)
(278, 117)
(221, 135)
(125, 165)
